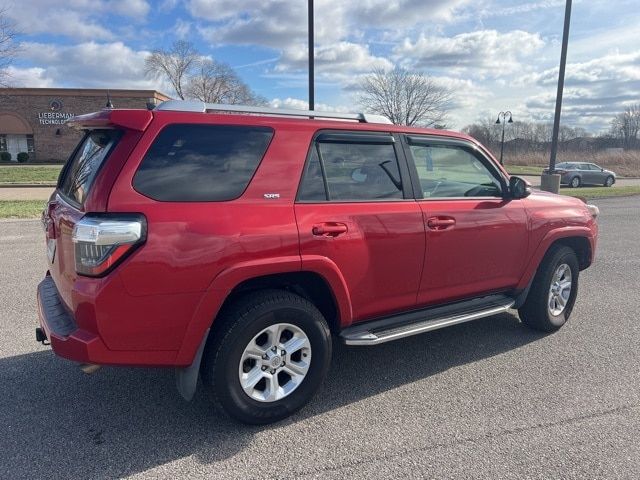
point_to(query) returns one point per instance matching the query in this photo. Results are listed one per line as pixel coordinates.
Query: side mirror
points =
(519, 187)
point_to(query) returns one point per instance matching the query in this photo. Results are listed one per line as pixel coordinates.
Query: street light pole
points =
(312, 100)
(504, 121)
(551, 182)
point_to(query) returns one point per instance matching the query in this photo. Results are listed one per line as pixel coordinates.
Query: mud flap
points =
(187, 378)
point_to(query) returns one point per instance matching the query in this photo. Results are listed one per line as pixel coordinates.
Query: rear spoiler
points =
(108, 118)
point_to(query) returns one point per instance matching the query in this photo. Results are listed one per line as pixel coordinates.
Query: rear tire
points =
(553, 291)
(609, 181)
(247, 344)
(575, 182)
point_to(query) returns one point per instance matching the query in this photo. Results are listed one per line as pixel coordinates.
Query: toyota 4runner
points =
(231, 243)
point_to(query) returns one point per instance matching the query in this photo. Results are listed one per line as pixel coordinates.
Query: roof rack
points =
(195, 106)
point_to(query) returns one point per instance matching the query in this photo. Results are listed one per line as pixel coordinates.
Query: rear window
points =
(201, 163)
(81, 169)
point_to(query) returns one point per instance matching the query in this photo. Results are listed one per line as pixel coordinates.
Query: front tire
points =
(553, 291)
(609, 181)
(267, 356)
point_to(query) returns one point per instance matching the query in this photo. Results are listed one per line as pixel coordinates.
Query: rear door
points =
(66, 208)
(476, 240)
(355, 207)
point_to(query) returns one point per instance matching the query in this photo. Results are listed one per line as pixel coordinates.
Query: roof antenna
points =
(109, 104)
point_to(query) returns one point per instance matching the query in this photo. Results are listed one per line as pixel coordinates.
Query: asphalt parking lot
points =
(488, 399)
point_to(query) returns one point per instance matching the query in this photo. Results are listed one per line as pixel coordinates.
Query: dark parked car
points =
(576, 174)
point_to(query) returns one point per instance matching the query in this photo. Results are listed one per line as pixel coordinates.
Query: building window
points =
(3, 143)
(30, 145)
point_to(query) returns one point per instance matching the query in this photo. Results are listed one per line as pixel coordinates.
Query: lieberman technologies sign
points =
(54, 118)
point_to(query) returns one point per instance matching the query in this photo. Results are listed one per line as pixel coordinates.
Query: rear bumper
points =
(74, 343)
(66, 339)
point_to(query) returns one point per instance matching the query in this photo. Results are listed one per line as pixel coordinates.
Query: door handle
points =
(329, 229)
(441, 223)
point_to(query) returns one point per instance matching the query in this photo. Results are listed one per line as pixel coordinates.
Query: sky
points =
(494, 55)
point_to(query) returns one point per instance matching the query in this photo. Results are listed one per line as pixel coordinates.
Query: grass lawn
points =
(523, 170)
(601, 192)
(21, 208)
(29, 174)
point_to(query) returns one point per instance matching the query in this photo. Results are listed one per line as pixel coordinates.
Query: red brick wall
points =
(55, 142)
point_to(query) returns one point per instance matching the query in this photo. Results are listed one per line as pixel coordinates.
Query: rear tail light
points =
(561, 172)
(102, 241)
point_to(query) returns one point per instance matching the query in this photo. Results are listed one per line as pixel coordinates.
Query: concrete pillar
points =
(550, 182)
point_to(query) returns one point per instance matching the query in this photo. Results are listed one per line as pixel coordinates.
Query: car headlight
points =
(593, 210)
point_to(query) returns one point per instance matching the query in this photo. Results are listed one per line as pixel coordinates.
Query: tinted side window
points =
(80, 171)
(453, 171)
(353, 172)
(312, 184)
(201, 163)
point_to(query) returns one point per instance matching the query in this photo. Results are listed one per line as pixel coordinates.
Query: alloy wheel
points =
(275, 362)
(560, 289)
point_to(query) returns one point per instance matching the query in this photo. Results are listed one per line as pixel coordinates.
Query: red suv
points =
(231, 242)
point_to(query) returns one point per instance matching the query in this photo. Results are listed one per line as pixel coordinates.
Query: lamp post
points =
(504, 121)
(550, 182)
(312, 100)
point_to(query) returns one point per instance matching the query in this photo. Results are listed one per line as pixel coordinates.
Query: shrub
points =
(23, 157)
(5, 157)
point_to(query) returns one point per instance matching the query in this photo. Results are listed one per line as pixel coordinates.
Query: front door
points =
(476, 240)
(354, 209)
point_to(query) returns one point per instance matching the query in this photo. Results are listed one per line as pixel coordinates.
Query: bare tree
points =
(174, 64)
(216, 82)
(8, 47)
(626, 126)
(406, 98)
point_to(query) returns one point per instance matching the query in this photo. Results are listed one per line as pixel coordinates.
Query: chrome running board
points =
(414, 323)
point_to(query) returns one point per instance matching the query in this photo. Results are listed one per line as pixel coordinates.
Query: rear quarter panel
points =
(190, 244)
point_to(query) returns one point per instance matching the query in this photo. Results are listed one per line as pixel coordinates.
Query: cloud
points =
(396, 13)
(486, 52)
(297, 104)
(500, 10)
(77, 19)
(128, 8)
(254, 22)
(614, 67)
(341, 57)
(182, 29)
(595, 90)
(90, 65)
(34, 77)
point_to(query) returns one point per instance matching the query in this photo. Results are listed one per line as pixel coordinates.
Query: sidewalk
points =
(26, 193)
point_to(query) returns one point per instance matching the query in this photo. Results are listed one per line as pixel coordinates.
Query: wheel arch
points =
(307, 284)
(579, 239)
(581, 246)
(319, 281)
